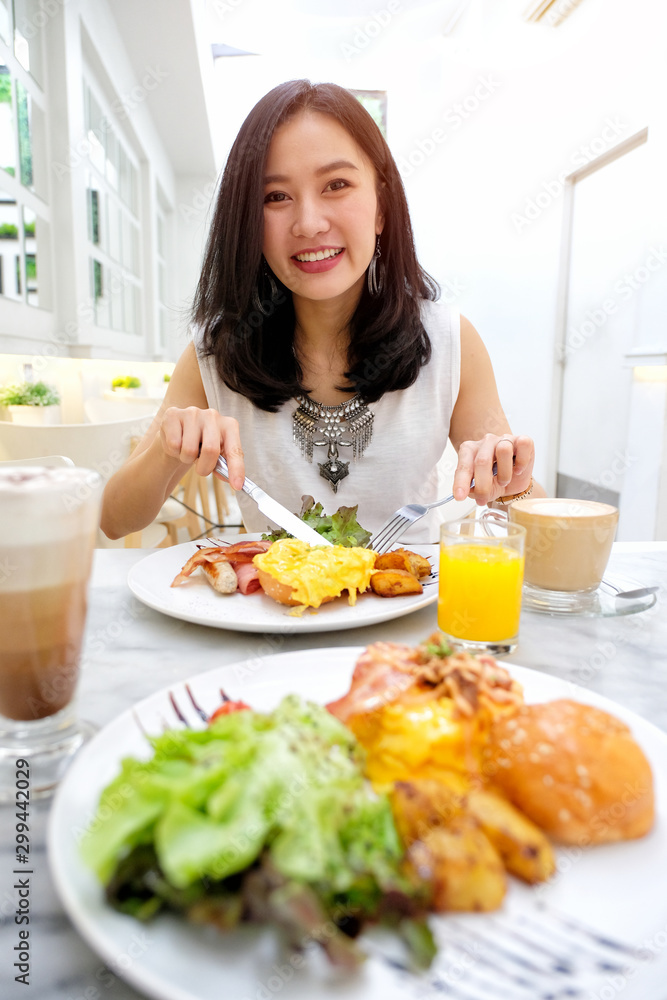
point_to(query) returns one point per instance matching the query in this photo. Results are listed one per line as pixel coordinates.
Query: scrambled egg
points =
(315, 572)
(405, 741)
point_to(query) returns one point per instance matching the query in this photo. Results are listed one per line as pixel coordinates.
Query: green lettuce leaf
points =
(253, 806)
(212, 800)
(340, 528)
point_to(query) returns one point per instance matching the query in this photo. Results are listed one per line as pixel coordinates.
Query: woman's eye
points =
(274, 196)
(337, 185)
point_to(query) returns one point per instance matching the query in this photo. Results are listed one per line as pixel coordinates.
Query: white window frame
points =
(116, 269)
(29, 321)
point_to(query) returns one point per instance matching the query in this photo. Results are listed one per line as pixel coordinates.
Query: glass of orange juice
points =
(481, 576)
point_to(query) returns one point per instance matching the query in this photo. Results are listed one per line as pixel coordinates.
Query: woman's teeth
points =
(320, 255)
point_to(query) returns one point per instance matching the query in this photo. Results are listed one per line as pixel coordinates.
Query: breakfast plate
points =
(600, 923)
(196, 601)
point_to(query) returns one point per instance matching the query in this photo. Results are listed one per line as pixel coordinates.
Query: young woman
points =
(321, 362)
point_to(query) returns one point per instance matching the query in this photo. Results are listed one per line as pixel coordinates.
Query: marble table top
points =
(132, 651)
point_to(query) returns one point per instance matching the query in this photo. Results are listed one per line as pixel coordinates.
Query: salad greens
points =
(341, 528)
(262, 817)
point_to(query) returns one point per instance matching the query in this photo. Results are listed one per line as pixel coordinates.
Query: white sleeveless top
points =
(410, 432)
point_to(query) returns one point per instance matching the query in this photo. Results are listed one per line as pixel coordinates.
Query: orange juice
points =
(480, 591)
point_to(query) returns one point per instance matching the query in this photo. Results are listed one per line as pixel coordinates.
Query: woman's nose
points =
(309, 219)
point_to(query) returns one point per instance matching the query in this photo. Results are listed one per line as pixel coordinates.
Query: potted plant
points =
(31, 403)
(126, 385)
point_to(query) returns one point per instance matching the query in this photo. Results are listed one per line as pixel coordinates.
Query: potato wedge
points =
(404, 559)
(421, 806)
(394, 583)
(523, 847)
(463, 866)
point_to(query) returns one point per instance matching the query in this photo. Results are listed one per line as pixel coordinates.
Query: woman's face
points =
(321, 210)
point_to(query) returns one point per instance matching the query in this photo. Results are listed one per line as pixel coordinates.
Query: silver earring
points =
(262, 306)
(375, 273)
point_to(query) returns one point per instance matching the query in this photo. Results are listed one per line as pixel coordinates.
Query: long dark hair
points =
(247, 316)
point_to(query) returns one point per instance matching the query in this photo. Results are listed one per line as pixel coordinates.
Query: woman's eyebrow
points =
(336, 165)
(327, 168)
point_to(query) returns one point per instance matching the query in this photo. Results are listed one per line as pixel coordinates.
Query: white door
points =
(615, 302)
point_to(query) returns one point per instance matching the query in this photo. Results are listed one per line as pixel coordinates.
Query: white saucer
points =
(600, 603)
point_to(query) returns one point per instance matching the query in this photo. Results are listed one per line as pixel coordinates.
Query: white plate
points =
(616, 890)
(196, 601)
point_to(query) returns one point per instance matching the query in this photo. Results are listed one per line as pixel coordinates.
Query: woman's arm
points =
(184, 432)
(481, 434)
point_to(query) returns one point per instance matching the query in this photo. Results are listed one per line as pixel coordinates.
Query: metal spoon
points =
(630, 594)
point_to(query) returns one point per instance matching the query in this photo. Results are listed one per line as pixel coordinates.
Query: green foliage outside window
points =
(5, 88)
(98, 283)
(25, 139)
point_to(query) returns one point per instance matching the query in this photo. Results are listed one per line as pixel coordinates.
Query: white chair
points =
(48, 461)
(101, 411)
(102, 447)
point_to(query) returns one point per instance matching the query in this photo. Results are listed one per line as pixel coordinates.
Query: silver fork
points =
(400, 521)
(170, 713)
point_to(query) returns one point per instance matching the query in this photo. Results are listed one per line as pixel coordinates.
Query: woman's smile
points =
(319, 259)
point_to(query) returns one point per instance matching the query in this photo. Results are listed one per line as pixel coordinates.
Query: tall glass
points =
(481, 575)
(48, 524)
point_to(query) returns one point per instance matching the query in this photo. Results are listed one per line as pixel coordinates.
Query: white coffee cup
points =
(568, 542)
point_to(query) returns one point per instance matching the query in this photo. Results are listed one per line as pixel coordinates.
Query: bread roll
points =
(574, 770)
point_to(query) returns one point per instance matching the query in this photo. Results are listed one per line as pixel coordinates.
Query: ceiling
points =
(164, 35)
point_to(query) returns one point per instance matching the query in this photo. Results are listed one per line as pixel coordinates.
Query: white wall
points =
(194, 199)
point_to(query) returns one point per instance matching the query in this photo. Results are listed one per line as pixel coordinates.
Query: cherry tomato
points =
(227, 708)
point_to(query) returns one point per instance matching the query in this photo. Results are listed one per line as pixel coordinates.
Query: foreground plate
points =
(612, 897)
(196, 601)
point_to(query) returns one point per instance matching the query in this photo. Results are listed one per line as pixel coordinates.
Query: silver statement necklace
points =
(346, 425)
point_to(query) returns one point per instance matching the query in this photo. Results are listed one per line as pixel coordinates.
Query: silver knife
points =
(275, 511)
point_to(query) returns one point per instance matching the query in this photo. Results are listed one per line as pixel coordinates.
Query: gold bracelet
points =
(506, 501)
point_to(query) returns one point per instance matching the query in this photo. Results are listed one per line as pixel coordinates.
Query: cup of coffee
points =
(48, 525)
(568, 542)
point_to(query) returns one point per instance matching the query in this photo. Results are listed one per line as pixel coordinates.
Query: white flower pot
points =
(35, 416)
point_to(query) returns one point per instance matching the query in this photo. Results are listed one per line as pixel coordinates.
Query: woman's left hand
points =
(514, 456)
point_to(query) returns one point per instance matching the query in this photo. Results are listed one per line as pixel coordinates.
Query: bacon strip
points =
(383, 672)
(387, 672)
(237, 554)
(248, 578)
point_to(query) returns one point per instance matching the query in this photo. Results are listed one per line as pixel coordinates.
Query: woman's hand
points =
(196, 436)
(514, 456)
